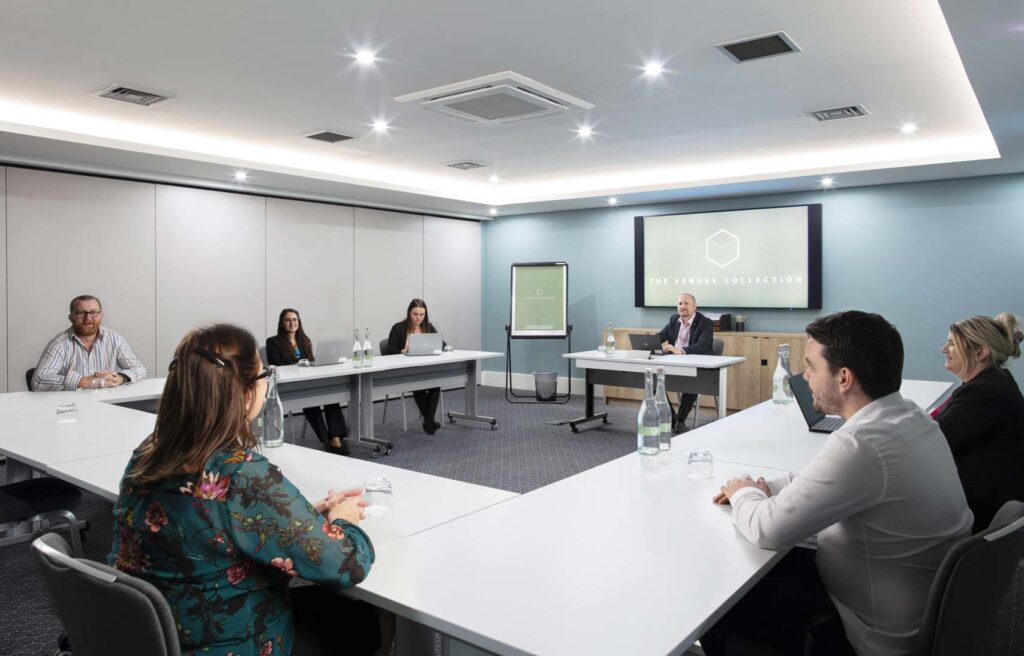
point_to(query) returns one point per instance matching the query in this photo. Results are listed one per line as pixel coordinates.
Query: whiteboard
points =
(539, 300)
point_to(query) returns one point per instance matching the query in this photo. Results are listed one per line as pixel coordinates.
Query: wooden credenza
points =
(750, 383)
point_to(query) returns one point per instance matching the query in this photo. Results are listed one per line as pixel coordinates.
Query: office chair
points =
(103, 610)
(28, 378)
(40, 500)
(717, 347)
(969, 587)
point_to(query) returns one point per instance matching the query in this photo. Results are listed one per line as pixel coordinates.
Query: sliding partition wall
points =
(164, 259)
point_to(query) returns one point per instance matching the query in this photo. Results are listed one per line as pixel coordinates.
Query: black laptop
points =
(816, 421)
(641, 342)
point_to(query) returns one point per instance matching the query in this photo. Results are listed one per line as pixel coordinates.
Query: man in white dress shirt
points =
(882, 496)
(87, 354)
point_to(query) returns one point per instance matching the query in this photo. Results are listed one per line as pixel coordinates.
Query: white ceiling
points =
(248, 78)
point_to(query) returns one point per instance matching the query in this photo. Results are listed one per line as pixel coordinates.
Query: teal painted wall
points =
(922, 254)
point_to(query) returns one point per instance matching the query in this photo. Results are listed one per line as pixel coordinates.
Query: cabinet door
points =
(770, 356)
(744, 378)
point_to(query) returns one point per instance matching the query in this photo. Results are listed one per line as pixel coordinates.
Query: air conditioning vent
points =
(133, 96)
(328, 136)
(838, 112)
(759, 47)
(466, 165)
(498, 98)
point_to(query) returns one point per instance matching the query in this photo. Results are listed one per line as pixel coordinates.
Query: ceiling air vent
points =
(466, 165)
(499, 98)
(838, 112)
(759, 47)
(133, 96)
(328, 137)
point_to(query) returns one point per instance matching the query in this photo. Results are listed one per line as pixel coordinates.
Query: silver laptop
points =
(816, 421)
(425, 344)
(330, 351)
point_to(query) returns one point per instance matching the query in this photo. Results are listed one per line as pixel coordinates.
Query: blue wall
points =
(922, 254)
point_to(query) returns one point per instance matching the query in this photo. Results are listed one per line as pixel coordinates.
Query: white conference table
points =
(687, 374)
(420, 501)
(770, 435)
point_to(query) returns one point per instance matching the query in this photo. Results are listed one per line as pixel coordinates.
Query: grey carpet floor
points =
(525, 453)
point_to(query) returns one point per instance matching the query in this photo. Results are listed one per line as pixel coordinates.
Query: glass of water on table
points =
(378, 494)
(700, 464)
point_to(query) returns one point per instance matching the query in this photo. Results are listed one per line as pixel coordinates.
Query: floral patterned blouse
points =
(221, 546)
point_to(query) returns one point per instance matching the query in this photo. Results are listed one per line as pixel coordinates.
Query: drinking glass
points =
(67, 413)
(378, 494)
(700, 464)
(304, 362)
(98, 383)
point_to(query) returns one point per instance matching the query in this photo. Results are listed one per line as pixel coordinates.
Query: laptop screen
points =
(804, 398)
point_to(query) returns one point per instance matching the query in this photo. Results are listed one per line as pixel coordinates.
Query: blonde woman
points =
(983, 420)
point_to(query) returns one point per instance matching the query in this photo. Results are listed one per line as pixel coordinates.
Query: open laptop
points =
(816, 421)
(330, 351)
(641, 342)
(425, 344)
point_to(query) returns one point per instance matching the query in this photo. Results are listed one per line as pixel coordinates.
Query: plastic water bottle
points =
(609, 342)
(357, 351)
(272, 416)
(647, 421)
(367, 349)
(781, 393)
(664, 413)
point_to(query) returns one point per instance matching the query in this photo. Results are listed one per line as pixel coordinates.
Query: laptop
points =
(330, 351)
(641, 342)
(816, 421)
(425, 344)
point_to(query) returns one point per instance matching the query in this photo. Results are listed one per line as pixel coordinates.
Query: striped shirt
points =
(65, 361)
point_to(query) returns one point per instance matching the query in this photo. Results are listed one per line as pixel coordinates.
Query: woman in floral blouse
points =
(220, 531)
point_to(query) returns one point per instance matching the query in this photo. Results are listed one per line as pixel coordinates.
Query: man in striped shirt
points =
(87, 355)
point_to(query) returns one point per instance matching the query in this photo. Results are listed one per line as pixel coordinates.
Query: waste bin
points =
(545, 383)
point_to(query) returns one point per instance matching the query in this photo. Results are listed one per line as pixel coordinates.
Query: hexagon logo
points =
(722, 248)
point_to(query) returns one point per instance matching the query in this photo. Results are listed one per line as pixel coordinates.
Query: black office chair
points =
(969, 587)
(103, 610)
(41, 500)
(28, 378)
(717, 347)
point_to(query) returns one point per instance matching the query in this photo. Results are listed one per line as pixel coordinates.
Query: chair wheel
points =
(388, 452)
(375, 454)
(604, 420)
(494, 427)
(575, 429)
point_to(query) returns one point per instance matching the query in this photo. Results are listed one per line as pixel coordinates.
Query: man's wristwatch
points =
(124, 378)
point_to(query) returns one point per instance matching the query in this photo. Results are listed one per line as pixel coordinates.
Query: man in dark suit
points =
(688, 333)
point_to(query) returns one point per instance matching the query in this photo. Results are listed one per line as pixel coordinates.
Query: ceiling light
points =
(828, 182)
(241, 176)
(585, 131)
(493, 211)
(365, 57)
(908, 128)
(653, 69)
(613, 201)
(494, 177)
(380, 125)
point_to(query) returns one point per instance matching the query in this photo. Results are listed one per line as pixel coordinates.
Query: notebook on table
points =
(816, 421)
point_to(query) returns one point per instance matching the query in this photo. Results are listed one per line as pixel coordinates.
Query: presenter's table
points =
(687, 374)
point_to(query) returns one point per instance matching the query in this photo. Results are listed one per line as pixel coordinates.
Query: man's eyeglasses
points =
(92, 314)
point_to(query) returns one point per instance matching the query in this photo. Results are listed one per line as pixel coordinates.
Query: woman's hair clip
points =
(206, 354)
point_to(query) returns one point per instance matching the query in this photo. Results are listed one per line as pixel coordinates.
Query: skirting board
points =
(524, 382)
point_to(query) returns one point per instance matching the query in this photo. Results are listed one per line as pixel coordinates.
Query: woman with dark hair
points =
(290, 345)
(416, 321)
(983, 420)
(220, 531)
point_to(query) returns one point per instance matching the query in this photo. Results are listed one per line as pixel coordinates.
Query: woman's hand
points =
(333, 498)
(350, 509)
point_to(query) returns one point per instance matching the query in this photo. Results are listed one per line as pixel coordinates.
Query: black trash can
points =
(545, 384)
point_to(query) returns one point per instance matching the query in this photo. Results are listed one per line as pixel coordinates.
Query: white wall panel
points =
(3, 278)
(69, 235)
(451, 278)
(309, 267)
(210, 263)
(388, 268)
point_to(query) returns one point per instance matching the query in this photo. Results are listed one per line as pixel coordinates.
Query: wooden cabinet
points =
(750, 383)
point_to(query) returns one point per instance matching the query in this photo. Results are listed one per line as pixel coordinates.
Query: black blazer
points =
(397, 337)
(983, 421)
(702, 334)
(279, 358)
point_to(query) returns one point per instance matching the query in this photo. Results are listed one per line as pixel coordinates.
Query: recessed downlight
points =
(827, 182)
(494, 178)
(241, 176)
(908, 128)
(365, 57)
(493, 211)
(585, 131)
(653, 69)
(613, 201)
(380, 126)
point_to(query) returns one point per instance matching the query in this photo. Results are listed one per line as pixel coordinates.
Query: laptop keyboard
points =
(830, 423)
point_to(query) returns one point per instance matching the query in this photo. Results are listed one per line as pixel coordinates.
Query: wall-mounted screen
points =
(760, 258)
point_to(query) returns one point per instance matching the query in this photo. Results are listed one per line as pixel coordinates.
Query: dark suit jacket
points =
(984, 424)
(702, 334)
(397, 337)
(278, 357)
